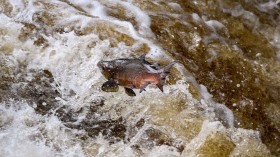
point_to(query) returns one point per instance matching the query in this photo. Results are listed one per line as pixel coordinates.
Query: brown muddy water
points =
(221, 99)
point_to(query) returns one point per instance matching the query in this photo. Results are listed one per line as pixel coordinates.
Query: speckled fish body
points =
(132, 73)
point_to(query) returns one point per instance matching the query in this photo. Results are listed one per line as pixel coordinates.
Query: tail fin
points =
(166, 69)
(165, 72)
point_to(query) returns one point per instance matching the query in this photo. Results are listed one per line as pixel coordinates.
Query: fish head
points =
(106, 68)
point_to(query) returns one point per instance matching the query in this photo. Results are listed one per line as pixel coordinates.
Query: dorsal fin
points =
(156, 66)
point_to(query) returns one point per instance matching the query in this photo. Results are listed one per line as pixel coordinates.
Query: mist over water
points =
(221, 99)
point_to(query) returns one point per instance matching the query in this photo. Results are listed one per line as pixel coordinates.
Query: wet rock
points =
(93, 124)
(149, 5)
(6, 7)
(250, 43)
(216, 144)
(107, 32)
(154, 137)
(44, 18)
(174, 113)
(112, 130)
(68, 116)
(7, 48)
(30, 31)
(140, 123)
(39, 91)
(236, 77)
(35, 87)
(231, 75)
(91, 149)
(250, 148)
(140, 49)
(121, 13)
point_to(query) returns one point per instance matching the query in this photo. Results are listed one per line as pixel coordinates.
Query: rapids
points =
(221, 99)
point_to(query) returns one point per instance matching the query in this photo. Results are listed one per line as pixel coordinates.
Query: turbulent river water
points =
(221, 99)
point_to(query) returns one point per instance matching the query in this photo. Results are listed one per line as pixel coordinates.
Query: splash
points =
(51, 103)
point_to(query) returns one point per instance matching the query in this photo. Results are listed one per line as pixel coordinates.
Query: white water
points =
(72, 61)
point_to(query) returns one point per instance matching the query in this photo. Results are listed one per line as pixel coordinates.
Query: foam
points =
(22, 133)
(196, 17)
(17, 5)
(26, 14)
(74, 69)
(214, 24)
(125, 27)
(175, 6)
(222, 113)
(73, 65)
(94, 8)
(206, 129)
(159, 151)
(276, 41)
(267, 6)
(97, 9)
(142, 19)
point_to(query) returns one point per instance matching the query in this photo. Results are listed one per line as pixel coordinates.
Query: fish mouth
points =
(102, 65)
(99, 64)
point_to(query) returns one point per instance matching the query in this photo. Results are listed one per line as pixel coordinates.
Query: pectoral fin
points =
(129, 91)
(160, 86)
(144, 86)
(110, 86)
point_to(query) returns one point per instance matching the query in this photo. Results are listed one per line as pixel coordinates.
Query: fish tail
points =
(165, 72)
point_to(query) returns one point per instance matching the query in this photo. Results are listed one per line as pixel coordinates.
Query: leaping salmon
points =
(132, 73)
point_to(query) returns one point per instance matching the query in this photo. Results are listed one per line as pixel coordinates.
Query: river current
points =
(221, 99)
